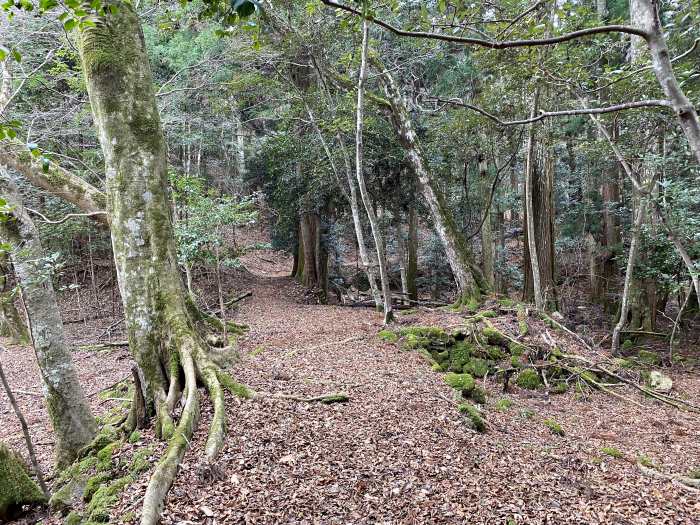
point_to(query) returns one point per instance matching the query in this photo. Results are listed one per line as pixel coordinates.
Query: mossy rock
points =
(16, 487)
(463, 382)
(478, 395)
(474, 415)
(441, 357)
(648, 358)
(494, 337)
(528, 379)
(94, 483)
(388, 336)
(424, 336)
(69, 495)
(554, 427)
(437, 367)
(627, 345)
(495, 353)
(104, 456)
(460, 354)
(477, 367)
(105, 498)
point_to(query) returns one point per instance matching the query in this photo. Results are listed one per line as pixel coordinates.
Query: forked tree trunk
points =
(468, 276)
(67, 405)
(160, 321)
(359, 172)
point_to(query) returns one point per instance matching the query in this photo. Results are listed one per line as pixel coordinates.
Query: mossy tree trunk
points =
(68, 408)
(160, 320)
(467, 273)
(412, 253)
(488, 244)
(12, 324)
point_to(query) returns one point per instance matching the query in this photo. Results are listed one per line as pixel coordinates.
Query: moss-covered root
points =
(474, 416)
(164, 474)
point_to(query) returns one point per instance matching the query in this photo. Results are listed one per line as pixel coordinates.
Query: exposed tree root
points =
(683, 481)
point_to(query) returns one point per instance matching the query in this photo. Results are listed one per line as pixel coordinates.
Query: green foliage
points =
(503, 404)
(388, 335)
(554, 427)
(464, 382)
(612, 452)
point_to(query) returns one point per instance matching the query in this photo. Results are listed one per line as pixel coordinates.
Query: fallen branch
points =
(239, 298)
(559, 325)
(326, 399)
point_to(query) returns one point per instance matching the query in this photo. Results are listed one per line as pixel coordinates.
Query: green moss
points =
(646, 461)
(523, 329)
(127, 517)
(516, 349)
(487, 314)
(528, 379)
(424, 336)
(94, 483)
(623, 363)
(437, 367)
(104, 456)
(506, 302)
(694, 473)
(554, 427)
(627, 344)
(68, 495)
(464, 382)
(478, 395)
(503, 404)
(388, 336)
(612, 452)
(237, 389)
(515, 362)
(493, 336)
(335, 398)
(476, 367)
(559, 388)
(526, 413)
(649, 358)
(459, 356)
(442, 357)
(86, 464)
(16, 487)
(105, 498)
(140, 461)
(258, 350)
(135, 436)
(474, 416)
(73, 518)
(495, 353)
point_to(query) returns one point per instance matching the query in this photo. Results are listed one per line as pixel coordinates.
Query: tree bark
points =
(159, 317)
(68, 408)
(468, 276)
(11, 322)
(359, 172)
(488, 244)
(412, 270)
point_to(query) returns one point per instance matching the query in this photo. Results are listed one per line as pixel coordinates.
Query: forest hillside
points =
(349, 262)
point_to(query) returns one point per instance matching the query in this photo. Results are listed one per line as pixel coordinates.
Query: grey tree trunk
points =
(12, 324)
(359, 172)
(488, 245)
(160, 321)
(67, 405)
(468, 276)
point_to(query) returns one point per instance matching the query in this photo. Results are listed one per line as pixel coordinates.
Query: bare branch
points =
(495, 44)
(67, 217)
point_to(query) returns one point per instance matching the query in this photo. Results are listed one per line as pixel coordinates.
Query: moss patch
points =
(649, 358)
(105, 497)
(16, 487)
(528, 379)
(554, 427)
(478, 395)
(503, 404)
(463, 382)
(474, 416)
(612, 452)
(94, 483)
(237, 389)
(104, 456)
(388, 336)
(140, 461)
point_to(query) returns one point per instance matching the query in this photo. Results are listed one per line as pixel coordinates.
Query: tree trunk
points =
(160, 320)
(488, 244)
(403, 257)
(468, 276)
(412, 270)
(66, 403)
(359, 172)
(11, 323)
(645, 15)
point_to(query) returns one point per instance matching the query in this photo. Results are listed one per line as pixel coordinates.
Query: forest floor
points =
(398, 451)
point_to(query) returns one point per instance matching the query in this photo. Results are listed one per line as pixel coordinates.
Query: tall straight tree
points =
(67, 405)
(359, 171)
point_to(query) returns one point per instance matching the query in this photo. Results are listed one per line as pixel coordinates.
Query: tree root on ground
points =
(682, 481)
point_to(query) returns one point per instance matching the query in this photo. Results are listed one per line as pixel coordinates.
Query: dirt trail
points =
(399, 452)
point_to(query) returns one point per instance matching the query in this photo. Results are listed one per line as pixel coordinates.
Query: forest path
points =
(398, 452)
